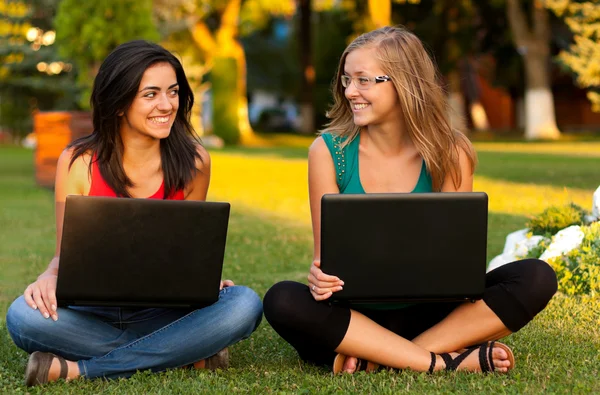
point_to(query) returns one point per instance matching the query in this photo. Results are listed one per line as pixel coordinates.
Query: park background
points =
(522, 78)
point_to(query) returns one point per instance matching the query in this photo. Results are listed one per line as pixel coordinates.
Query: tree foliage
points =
(32, 75)
(583, 56)
(87, 31)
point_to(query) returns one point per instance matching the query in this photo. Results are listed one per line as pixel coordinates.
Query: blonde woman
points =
(389, 132)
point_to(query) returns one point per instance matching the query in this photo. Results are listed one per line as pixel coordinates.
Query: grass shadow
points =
(526, 168)
(499, 225)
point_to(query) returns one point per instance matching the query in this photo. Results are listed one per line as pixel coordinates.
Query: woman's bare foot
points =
(346, 364)
(502, 359)
(350, 365)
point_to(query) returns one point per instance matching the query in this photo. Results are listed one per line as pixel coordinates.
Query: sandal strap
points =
(452, 364)
(447, 360)
(432, 364)
(486, 360)
(361, 364)
(64, 368)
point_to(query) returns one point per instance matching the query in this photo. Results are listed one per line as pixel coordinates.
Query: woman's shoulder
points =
(336, 143)
(73, 169)
(73, 162)
(203, 157)
(332, 138)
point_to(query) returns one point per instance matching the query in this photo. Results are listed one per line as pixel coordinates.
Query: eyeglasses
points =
(363, 82)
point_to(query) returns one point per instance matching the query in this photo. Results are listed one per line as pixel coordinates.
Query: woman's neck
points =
(389, 140)
(140, 151)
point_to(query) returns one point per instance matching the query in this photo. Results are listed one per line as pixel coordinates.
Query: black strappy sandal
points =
(361, 364)
(486, 362)
(38, 367)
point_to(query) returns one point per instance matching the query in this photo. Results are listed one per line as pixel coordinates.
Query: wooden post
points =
(54, 131)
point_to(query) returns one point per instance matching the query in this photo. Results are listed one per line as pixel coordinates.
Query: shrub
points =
(538, 250)
(556, 218)
(578, 271)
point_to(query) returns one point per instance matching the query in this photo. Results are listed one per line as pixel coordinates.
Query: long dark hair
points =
(114, 89)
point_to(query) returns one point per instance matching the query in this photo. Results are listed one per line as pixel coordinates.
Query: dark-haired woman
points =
(142, 146)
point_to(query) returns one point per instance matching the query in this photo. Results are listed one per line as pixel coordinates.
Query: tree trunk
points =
(479, 116)
(307, 108)
(533, 44)
(230, 109)
(540, 121)
(456, 102)
(224, 92)
(381, 13)
(228, 46)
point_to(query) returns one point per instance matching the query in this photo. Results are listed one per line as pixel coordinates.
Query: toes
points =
(350, 365)
(499, 353)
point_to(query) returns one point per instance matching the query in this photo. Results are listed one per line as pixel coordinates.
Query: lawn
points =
(270, 240)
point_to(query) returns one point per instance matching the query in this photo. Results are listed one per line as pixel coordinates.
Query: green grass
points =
(270, 240)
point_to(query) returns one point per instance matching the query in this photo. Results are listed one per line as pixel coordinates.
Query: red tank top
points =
(99, 187)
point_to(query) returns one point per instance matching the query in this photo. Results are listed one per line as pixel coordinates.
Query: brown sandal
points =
(38, 367)
(218, 361)
(361, 364)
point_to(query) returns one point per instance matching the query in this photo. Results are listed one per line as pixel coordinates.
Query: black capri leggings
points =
(515, 292)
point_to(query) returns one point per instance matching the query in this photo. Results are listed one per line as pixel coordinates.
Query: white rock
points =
(512, 239)
(498, 261)
(523, 247)
(516, 247)
(596, 204)
(563, 242)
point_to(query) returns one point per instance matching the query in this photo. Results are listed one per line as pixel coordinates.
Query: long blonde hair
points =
(402, 57)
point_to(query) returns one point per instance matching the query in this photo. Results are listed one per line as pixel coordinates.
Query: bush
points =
(556, 218)
(538, 250)
(578, 271)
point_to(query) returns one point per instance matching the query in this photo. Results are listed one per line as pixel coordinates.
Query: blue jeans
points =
(116, 342)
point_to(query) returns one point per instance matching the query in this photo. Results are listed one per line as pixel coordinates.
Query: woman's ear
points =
(120, 114)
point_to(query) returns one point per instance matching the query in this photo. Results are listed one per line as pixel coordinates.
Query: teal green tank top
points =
(348, 181)
(346, 166)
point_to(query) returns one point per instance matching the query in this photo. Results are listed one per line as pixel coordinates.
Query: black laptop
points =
(406, 247)
(141, 252)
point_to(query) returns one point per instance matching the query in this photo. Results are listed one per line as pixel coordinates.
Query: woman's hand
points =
(41, 295)
(226, 283)
(322, 285)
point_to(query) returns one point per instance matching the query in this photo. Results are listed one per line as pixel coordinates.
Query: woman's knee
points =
(541, 279)
(23, 322)
(248, 306)
(282, 302)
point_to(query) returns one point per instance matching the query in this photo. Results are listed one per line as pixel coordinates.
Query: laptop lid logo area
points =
(405, 247)
(141, 252)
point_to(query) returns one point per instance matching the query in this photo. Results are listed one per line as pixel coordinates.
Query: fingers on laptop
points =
(322, 290)
(226, 283)
(317, 273)
(319, 293)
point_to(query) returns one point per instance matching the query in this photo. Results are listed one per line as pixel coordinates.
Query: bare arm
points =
(466, 172)
(321, 180)
(198, 189)
(41, 294)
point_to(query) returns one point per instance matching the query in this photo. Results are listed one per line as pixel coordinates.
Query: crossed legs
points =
(514, 294)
